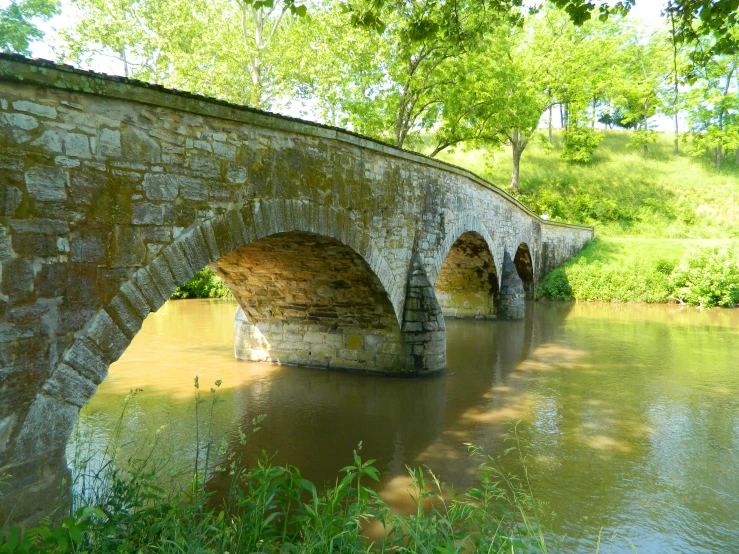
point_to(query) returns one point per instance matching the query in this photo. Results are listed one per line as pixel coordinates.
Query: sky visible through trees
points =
(424, 75)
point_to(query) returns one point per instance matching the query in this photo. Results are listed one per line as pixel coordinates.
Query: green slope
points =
(648, 214)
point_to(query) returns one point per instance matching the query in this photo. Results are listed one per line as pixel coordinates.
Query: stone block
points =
(89, 245)
(17, 277)
(109, 143)
(105, 334)
(47, 427)
(125, 316)
(161, 186)
(195, 249)
(36, 109)
(68, 385)
(77, 145)
(49, 141)
(137, 301)
(145, 284)
(193, 189)
(203, 166)
(10, 200)
(162, 276)
(19, 121)
(179, 264)
(126, 248)
(139, 147)
(46, 184)
(146, 213)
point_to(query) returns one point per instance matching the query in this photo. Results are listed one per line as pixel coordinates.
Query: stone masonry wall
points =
(308, 300)
(467, 285)
(113, 192)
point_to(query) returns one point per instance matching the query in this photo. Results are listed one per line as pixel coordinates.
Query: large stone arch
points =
(103, 340)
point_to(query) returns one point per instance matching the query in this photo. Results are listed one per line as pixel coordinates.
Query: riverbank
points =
(699, 272)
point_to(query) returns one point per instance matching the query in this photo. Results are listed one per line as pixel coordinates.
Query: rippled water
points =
(630, 413)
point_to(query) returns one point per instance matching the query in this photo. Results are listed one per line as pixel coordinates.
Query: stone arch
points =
(467, 285)
(466, 225)
(524, 263)
(84, 365)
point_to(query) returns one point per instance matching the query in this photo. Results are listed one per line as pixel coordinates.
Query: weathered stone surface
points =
(332, 244)
(160, 187)
(36, 109)
(46, 184)
(46, 427)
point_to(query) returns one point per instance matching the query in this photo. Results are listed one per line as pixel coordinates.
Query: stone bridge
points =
(342, 252)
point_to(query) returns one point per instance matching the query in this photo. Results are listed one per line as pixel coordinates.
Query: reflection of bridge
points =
(342, 251)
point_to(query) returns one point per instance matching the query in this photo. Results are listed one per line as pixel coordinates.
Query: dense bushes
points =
(707, 277)
(580, 144)
(205, 284)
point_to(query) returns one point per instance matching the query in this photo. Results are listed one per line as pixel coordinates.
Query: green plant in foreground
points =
(273, 509)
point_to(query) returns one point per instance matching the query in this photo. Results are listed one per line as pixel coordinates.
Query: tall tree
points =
(18, 23)
(229, 49)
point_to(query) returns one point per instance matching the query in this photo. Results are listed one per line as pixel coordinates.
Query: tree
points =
(17, 27)
(714, 107)
(229, 49)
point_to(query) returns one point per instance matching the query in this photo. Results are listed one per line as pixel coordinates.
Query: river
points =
(629, 413)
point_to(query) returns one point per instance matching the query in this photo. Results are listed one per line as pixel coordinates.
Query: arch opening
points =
(525, 269)
(307, 299)
(467, 284)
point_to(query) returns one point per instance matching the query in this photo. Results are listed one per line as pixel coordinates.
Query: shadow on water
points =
(315, 418)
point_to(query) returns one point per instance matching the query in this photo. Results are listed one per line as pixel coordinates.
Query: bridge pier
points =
(512, 291)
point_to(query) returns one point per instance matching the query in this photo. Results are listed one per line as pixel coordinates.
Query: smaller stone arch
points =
(467, 224)
(467, 285)
(524, 264)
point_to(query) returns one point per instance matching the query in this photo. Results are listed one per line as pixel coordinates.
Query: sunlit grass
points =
(619, 192)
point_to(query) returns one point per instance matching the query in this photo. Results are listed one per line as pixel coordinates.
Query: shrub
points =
(205, 284)
(580, 144)
(708, 278)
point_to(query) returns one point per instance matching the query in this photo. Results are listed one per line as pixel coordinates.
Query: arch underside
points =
(306, 299)
(525, 269)
(467, 284)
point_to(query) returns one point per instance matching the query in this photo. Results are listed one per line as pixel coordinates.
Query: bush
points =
(708, 278)
(205, 284)
(580, 144)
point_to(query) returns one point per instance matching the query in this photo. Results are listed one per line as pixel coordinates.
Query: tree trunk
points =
(517, 151)
(550, 126)
(677, 136)
(646, 152)
(718, 156)
(594, 103)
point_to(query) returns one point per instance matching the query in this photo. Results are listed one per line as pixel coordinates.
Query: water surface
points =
(630, 413)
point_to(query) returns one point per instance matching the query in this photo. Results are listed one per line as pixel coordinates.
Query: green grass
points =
(620, 193)
(648, 214)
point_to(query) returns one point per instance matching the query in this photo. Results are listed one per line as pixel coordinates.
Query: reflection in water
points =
(630, 413)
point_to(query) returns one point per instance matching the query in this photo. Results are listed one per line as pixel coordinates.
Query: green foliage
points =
(273, 509)
(708, 277)
(637, 271)
(205, 284)
(17, 28)
(580, 144)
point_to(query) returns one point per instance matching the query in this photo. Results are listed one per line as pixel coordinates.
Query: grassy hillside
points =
(619, 192)
(651, 218)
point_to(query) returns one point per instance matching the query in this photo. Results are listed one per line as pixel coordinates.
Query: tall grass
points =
(119, 505)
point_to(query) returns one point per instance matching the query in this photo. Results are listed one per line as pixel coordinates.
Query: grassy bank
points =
(658, 221)
(620, 193)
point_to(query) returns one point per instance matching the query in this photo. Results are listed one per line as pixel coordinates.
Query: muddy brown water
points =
(630, 413)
